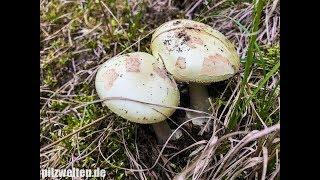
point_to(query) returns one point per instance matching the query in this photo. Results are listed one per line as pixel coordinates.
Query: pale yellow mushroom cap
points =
(138, 76)
(194, 52)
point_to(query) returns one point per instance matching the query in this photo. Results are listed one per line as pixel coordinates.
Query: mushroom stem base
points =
(199, 101)
(162, 130)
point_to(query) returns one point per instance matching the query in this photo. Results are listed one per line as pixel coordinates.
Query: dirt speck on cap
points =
(176, 23)
(191, 41)
(181, 63)
(182, 34)
(209, 63)
(133, 64)
(110, 76)
(167, 42)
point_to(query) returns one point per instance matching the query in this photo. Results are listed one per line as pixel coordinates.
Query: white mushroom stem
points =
(162, 130)
(199, 101)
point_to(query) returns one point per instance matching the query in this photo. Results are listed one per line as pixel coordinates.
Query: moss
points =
(64, 60)
(268, 57)
(58, 105)
(92, 44)
(110, 145)
(49, 79)
(266, 98)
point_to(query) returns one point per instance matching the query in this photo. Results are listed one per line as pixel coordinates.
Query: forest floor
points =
(76, 131)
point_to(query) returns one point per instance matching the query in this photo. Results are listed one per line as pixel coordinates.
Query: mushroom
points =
(135, 78)
(195, 53)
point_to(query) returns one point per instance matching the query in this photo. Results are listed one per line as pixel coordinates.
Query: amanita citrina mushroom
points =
(195, 53)
(138, 76)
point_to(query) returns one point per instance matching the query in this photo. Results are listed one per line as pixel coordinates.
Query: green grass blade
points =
(263, 82)
(238, 109)
(256, 21)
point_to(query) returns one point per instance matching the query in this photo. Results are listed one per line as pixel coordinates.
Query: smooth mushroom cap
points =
(194, 52)
(138, 76)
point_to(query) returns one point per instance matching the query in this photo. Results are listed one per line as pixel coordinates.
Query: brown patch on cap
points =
(209, 63)
(181, 63)
(133, 64)
(161, 72)
(110, 76)
(194, 41)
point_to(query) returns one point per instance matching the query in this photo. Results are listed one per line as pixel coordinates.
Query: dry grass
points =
(76, 131)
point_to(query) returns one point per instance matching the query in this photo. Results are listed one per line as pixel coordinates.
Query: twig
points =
(185, 173)
(159, 156)
(190, 11)
(265, 162)
(128, 99)
(106, 17)
(214, 6)
(250, 137)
